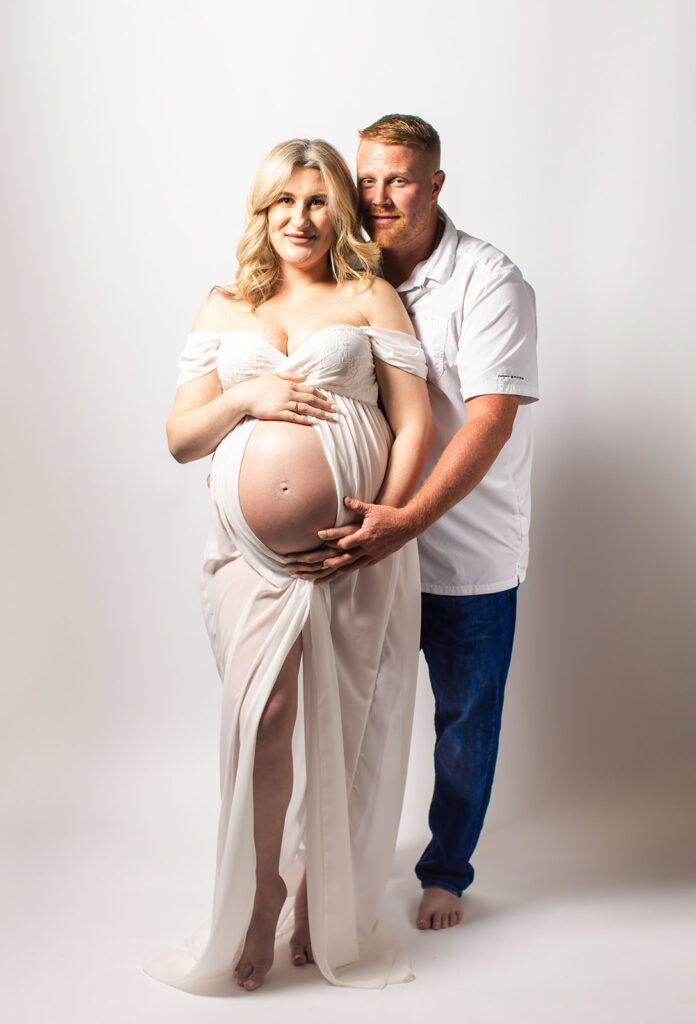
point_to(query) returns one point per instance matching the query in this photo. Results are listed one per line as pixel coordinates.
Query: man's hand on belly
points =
(382, 532)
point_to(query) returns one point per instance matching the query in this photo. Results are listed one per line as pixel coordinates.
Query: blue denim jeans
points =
(467, 642)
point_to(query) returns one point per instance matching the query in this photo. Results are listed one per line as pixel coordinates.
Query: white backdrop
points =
(131, 134)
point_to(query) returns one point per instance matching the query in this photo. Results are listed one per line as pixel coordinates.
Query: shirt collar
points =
(440, 263)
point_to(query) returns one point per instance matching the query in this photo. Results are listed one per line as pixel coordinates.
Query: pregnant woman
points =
(280, 378)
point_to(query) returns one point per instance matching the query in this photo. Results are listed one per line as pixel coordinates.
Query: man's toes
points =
(436, 922)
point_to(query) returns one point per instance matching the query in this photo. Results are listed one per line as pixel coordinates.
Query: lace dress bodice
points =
(338, 357)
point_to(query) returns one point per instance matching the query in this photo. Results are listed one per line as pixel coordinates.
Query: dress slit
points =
(356, 689)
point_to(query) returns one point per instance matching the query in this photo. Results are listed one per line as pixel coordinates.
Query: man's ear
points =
(438, 182)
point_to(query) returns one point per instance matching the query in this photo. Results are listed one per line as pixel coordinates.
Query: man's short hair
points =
(404, 130)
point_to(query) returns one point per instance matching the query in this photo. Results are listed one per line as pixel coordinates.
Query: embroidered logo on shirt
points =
(511, 376)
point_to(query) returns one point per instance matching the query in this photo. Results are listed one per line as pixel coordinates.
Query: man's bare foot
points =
(257, 955)
(300, 942)
(439, 908)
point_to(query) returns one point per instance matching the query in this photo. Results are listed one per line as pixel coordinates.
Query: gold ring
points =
(297, 407)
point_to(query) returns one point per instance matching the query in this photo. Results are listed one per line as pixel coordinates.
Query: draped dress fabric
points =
(359, 664)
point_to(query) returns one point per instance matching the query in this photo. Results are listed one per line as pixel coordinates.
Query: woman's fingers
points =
(302, 560)
(283, 396)
(333, 567)
(311, 398)
(290, 416)
(337, 561)
(318, 408)
(304, 399)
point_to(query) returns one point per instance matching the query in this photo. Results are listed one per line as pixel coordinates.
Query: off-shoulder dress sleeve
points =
(398, 349)
(199, 356)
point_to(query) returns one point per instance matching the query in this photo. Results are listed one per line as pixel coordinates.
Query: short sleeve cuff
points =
(502, 384)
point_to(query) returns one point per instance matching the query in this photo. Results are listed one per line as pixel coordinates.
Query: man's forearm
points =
(384, 529)
(462, 465)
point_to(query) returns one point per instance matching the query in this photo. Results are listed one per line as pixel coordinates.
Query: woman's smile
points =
(299, 218)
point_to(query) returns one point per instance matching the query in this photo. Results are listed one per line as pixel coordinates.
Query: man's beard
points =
(397, 231)
(384, 235)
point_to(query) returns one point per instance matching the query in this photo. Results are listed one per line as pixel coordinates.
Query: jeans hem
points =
(434, 884)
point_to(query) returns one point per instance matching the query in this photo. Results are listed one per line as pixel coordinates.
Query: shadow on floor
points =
(614, 843)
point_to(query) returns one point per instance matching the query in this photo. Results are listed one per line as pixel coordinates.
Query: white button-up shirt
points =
(475, 316)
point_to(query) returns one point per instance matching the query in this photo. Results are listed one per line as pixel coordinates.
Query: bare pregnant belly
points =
(286, 488)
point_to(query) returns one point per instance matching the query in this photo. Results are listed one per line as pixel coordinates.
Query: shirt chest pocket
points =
(432, 331)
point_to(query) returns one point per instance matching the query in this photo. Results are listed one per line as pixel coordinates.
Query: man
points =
(475, 317)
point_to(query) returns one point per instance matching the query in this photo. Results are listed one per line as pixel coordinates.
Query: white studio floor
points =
(561, 926)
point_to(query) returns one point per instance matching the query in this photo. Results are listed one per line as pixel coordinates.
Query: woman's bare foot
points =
(439, 908)
(257, 955)
(300, 942)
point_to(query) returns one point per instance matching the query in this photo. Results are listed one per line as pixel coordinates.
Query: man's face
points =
(398, 187)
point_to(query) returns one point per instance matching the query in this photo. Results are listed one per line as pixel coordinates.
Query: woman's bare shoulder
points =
(382, 306)
(370, 288)
(219, 312)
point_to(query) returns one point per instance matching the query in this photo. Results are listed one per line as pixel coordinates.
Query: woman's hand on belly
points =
(383, 531)
(325, 563)
(283, 396)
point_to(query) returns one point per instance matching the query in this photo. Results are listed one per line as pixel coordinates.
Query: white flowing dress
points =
(360, 638)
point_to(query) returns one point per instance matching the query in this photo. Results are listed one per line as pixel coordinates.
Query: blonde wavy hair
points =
(350, 257)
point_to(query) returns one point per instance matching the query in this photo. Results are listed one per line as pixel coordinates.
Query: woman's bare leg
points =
(300, 943)
(272, 791)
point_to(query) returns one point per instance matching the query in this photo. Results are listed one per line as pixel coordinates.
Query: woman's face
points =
(299, 225)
